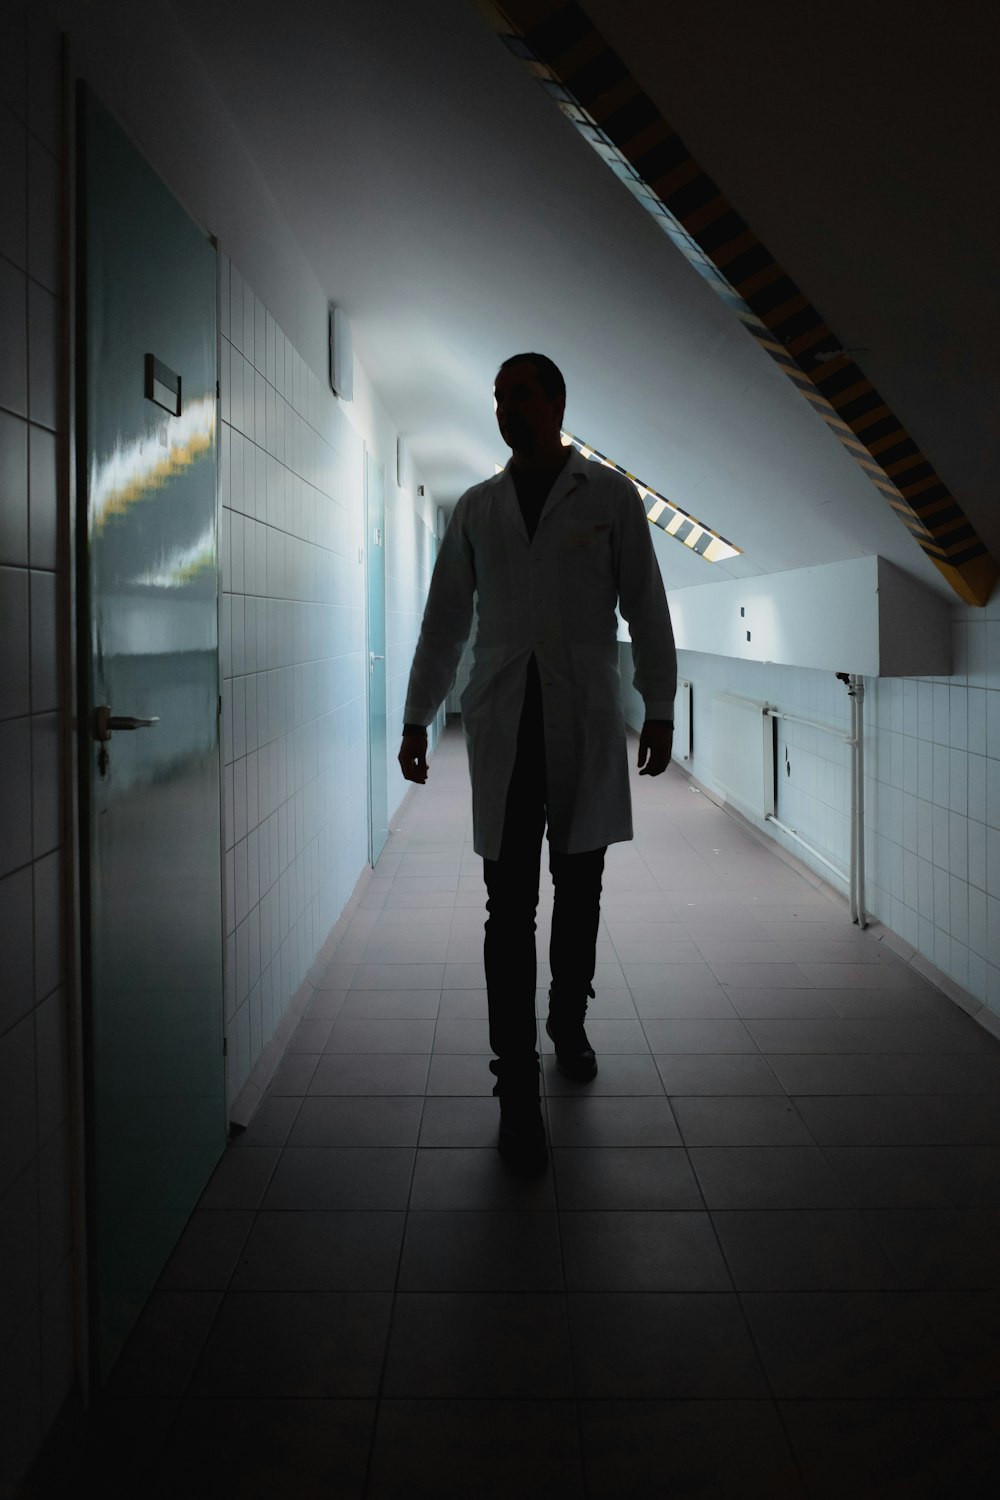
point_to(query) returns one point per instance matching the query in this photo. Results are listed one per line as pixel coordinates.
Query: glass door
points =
(149, 720)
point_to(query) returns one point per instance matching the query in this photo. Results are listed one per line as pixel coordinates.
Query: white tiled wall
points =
(932, 788)
(293, 667)
(36, 1315)
(934, 818)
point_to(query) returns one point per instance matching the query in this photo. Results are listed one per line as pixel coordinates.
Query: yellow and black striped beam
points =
(561, 48)
(661, 512)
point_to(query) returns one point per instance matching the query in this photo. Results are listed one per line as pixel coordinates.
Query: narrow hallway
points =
(762, 1262)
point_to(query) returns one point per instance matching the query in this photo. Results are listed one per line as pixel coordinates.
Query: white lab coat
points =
(554, 596)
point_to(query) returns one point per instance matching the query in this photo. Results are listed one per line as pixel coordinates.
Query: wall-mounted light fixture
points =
(341, 355)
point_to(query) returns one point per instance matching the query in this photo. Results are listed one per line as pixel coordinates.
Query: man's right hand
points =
(413, 757)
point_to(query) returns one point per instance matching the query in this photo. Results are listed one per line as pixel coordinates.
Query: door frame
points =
(373, 853)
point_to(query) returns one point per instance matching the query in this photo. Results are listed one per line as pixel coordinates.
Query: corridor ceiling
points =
(448, 206)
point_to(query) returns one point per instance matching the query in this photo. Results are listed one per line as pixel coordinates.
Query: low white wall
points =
(932, 786)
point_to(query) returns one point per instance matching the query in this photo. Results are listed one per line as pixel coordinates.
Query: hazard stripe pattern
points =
(564, 51)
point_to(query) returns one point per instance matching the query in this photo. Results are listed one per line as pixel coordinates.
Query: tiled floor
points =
(765, 1260)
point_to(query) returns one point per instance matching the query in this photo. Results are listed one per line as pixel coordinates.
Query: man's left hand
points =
(655, 742)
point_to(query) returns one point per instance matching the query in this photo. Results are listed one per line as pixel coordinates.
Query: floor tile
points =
(241, 1178)
(833, 1073)
(919, 1176)
(906, 1450)
(273, 1119)
(913, 1034)
(662, 1344)
(310, 1035)
(674, 978)
(847, 1345)
(698, 1036)
(625, 1177)
(702, 1004)
(844, 976)
(332, 1120)
(397, 976)
(735, 1121)
(321, 1251)
(818, 1034)
(459, 1121)
(475, 1179)
(165, 1345)
(528, 1449)
(781, 1004)
(967, 1326)
(758, 950)
(467, 1251)
(371, 1073)
(767, 1177)
(460, 1074)
(770, 976)
(506, 1345)
(629, 1446)
(258, 1449)
(295, 1344)
(636, 1120)
(940, 1248)
(902, 1120)
(458, 1034)
(293, 1074)
(646, 1252)
(700, 1073)
(839, 949)
(207, 1253)
(392, 1005)
(340, 1177)
(949, 1073)
(380, 1034)
(803, 1250)
(886, 1004)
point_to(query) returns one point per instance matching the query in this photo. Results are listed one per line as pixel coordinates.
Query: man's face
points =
(528, 419)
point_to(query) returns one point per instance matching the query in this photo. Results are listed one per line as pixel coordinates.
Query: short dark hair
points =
(550, 377)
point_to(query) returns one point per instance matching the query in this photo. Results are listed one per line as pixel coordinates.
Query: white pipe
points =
(857, 690)
(770, 818)
(774, 713)
(852, 900)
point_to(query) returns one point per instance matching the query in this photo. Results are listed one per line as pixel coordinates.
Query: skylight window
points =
(662, 512)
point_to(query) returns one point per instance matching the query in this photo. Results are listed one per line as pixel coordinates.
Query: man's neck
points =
(551, 458)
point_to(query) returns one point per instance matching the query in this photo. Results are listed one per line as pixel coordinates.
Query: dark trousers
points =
(512, 882)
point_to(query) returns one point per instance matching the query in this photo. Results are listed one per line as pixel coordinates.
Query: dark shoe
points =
(574, 1055)
(521, 1142)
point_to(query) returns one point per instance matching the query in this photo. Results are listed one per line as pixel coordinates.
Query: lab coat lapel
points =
(509, 503)
(564, 486)
(573, 474)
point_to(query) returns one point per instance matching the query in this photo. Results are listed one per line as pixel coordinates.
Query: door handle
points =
(373, 657)
(105, 722)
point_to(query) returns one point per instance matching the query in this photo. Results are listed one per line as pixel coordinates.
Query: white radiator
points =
(743, 754)
(683, 743)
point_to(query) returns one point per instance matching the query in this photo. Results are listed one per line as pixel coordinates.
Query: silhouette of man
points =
(548, 548)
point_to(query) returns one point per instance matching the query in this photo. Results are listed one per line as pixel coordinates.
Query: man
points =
(548, 547)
